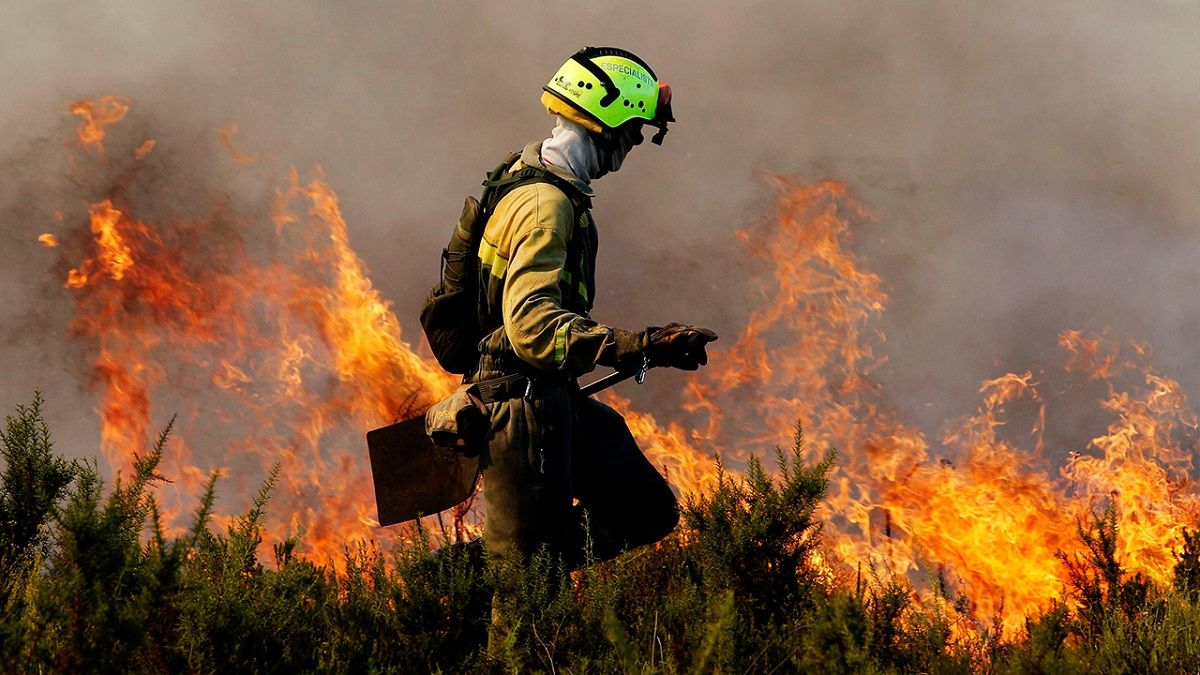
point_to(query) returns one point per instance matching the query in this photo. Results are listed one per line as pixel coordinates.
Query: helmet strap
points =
(611, 92)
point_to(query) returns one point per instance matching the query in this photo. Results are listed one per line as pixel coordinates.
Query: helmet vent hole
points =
(588, 85)
(581, 83)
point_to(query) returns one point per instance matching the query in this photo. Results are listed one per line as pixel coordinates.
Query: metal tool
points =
(413, 477)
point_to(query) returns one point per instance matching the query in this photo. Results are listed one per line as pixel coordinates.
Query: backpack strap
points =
(500, 182)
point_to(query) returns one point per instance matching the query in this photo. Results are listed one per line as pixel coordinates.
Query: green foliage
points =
(32, 484)
(92, 583)
(1187, 567)
(1097, 579)
(33, 481)
(755, 537)
(104, 600)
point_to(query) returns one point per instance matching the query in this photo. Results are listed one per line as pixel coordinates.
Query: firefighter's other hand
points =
(678, 346)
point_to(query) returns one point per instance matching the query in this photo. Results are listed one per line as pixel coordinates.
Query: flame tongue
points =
(96, 115)
(286, 357)
(115, 256)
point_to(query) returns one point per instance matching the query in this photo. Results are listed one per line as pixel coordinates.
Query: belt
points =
(503, 388)
(518, 386)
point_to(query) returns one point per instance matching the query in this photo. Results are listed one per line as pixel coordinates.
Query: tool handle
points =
(616, 377)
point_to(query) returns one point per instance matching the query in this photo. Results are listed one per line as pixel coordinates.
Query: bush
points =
(92, 584)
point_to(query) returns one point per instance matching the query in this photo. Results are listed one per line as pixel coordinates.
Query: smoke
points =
(1030, 167)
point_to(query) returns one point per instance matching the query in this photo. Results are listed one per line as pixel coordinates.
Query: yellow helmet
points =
(605, 87)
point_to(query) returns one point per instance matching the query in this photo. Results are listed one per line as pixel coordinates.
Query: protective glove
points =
(678, 346)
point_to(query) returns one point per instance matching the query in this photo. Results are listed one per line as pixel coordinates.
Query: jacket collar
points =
(532, 156)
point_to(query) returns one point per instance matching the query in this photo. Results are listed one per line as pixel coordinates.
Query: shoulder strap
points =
(500, 182)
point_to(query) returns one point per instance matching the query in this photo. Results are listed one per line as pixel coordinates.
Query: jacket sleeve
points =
(542, 332)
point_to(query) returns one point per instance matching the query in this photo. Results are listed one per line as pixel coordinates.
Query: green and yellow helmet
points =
(605, 87)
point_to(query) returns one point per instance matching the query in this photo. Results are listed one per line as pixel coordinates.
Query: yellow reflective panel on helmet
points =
(607, 85)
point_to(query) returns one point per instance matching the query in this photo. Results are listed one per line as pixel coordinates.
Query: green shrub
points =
(91, 583)
(1121, 622)
(104, 599)
(1187, 567)
(754, 538)
(32, 484)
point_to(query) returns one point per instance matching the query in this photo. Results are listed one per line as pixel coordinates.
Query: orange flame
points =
(48, 240)
(115, 256)
(992, 517)
(145, 148)
(300, 352)
(96, 116)
(226, 135)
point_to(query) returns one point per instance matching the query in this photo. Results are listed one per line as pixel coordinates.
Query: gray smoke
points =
(1032, 166)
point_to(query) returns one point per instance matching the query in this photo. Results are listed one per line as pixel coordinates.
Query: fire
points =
(679, 455)
(226, 135)
(145, 148)
(97, 115)
(285, 357)
(115, 256)
(988, 513)
(287, 354)
(48, 240)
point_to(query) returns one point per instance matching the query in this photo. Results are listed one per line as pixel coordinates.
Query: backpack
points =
(450, 315)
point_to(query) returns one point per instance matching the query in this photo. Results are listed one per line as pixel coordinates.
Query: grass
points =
(91, 583)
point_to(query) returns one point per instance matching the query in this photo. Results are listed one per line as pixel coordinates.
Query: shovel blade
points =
(412, 476)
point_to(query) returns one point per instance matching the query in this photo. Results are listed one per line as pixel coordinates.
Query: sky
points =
(1030, 167)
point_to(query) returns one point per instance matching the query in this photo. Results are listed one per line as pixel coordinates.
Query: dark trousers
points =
(561, 468)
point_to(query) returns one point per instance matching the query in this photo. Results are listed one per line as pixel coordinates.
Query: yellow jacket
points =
(539, 283)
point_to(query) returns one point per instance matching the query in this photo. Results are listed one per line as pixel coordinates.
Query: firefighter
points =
(552, 455)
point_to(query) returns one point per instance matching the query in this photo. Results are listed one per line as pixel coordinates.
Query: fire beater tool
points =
(413, 477)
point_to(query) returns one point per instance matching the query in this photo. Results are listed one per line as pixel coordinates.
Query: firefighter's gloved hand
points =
(678, 346)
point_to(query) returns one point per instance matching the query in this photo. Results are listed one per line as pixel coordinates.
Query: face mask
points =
(571, 147)
(613, 151)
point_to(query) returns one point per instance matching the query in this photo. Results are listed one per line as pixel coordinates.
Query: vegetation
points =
(89, 582)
